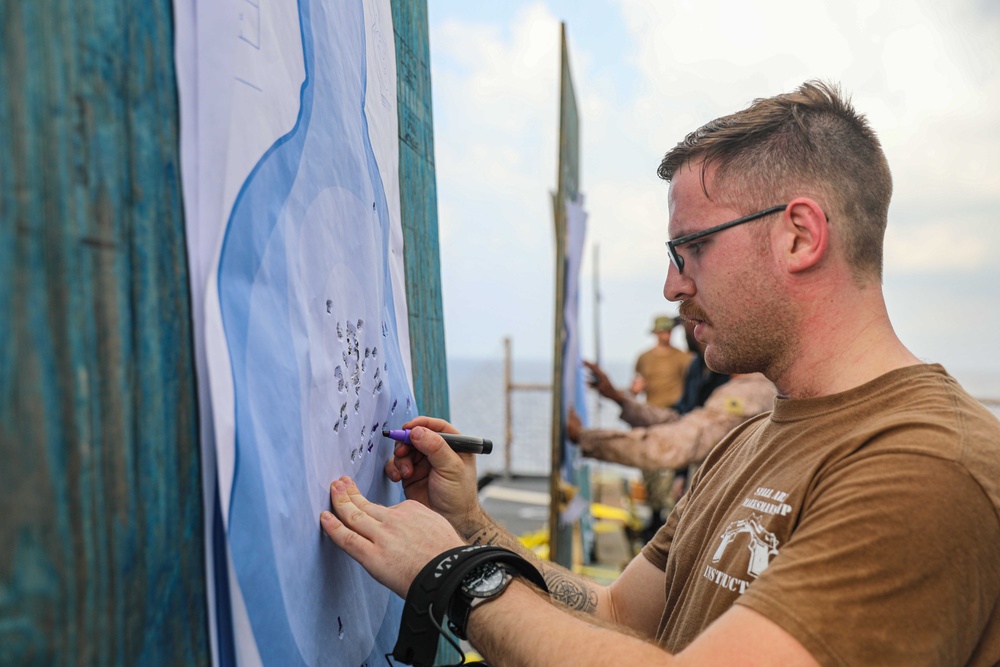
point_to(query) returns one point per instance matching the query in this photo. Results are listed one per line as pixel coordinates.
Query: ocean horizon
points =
(476, 397)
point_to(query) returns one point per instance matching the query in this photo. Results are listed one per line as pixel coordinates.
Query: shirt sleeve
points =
(636, 413)
(657, 549)
(687, 439)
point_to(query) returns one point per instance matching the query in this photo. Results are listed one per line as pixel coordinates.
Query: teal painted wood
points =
(101, 548)
(418, 203)
(418, 208)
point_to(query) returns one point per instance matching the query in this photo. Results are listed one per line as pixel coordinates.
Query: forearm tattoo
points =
(570, 591)
(488, 534)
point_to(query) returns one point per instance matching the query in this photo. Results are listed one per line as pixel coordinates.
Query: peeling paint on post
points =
(101, 554)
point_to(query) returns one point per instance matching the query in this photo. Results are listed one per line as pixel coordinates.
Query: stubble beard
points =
(754, 337)
(753, 347)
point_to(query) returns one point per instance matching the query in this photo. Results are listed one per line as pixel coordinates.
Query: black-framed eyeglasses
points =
(676, 258)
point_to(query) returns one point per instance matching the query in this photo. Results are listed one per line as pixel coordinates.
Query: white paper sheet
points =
(290, 168)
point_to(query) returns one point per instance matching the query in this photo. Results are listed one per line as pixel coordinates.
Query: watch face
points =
(486, 580)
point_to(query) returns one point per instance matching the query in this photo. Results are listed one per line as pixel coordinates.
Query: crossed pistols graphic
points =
(763, 544)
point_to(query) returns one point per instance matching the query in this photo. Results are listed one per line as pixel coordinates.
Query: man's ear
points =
(806, 235)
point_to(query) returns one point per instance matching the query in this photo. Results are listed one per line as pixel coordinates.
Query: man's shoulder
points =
(935, 416)
(926, 396)
(747, 395)
(667, 352)
(917, 411)
(647, 354)
(749, 380)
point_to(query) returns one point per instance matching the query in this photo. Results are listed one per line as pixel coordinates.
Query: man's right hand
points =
(436, 476)
(602, 383)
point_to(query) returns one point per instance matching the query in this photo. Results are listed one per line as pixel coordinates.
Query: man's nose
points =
(677, 286)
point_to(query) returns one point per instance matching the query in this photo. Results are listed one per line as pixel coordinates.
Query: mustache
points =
(690, 311)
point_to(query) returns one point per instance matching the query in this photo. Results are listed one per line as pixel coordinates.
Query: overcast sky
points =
(926, 73)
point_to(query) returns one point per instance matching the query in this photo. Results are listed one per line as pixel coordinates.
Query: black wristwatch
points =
(484, 583)
(449, 586)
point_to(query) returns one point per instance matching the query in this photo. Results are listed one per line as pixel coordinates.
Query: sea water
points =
(476, 393)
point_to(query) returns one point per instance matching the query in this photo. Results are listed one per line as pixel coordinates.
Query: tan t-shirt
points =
(866, 524)
(663, 370)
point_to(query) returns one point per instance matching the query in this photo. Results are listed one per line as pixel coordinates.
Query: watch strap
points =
(431, 592)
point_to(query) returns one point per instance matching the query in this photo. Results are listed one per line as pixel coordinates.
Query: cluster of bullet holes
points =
(359, 363)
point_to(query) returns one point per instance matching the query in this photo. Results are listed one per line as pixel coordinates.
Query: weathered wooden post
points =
(101, 554)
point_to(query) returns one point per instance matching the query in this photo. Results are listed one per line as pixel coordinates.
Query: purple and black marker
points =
(460, 443)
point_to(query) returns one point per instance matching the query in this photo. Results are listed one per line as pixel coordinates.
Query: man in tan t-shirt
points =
(659, 371)
(858, 523)
(659, 376)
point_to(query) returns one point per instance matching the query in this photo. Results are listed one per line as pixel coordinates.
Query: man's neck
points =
(844, 348)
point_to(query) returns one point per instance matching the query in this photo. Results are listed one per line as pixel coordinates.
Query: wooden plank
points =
(418, 209)
(101, 554)
(561, 537)
(418, 203)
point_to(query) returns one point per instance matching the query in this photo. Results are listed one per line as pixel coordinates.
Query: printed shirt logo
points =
(761, 543)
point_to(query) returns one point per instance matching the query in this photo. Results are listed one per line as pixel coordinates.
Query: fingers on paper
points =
(374, 510)
(353, 523)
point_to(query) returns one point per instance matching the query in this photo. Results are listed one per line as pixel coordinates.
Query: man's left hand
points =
(392, 543)
(573, 426)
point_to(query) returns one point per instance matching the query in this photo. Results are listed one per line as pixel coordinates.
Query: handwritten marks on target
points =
(363, 368)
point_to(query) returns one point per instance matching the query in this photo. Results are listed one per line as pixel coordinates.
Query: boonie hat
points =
(664, 323)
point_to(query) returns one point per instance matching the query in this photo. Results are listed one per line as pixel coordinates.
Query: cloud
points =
(926, 73)
(495, 104)
(629, 223)
(933, 100)
(919, 249)
(493, 98)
